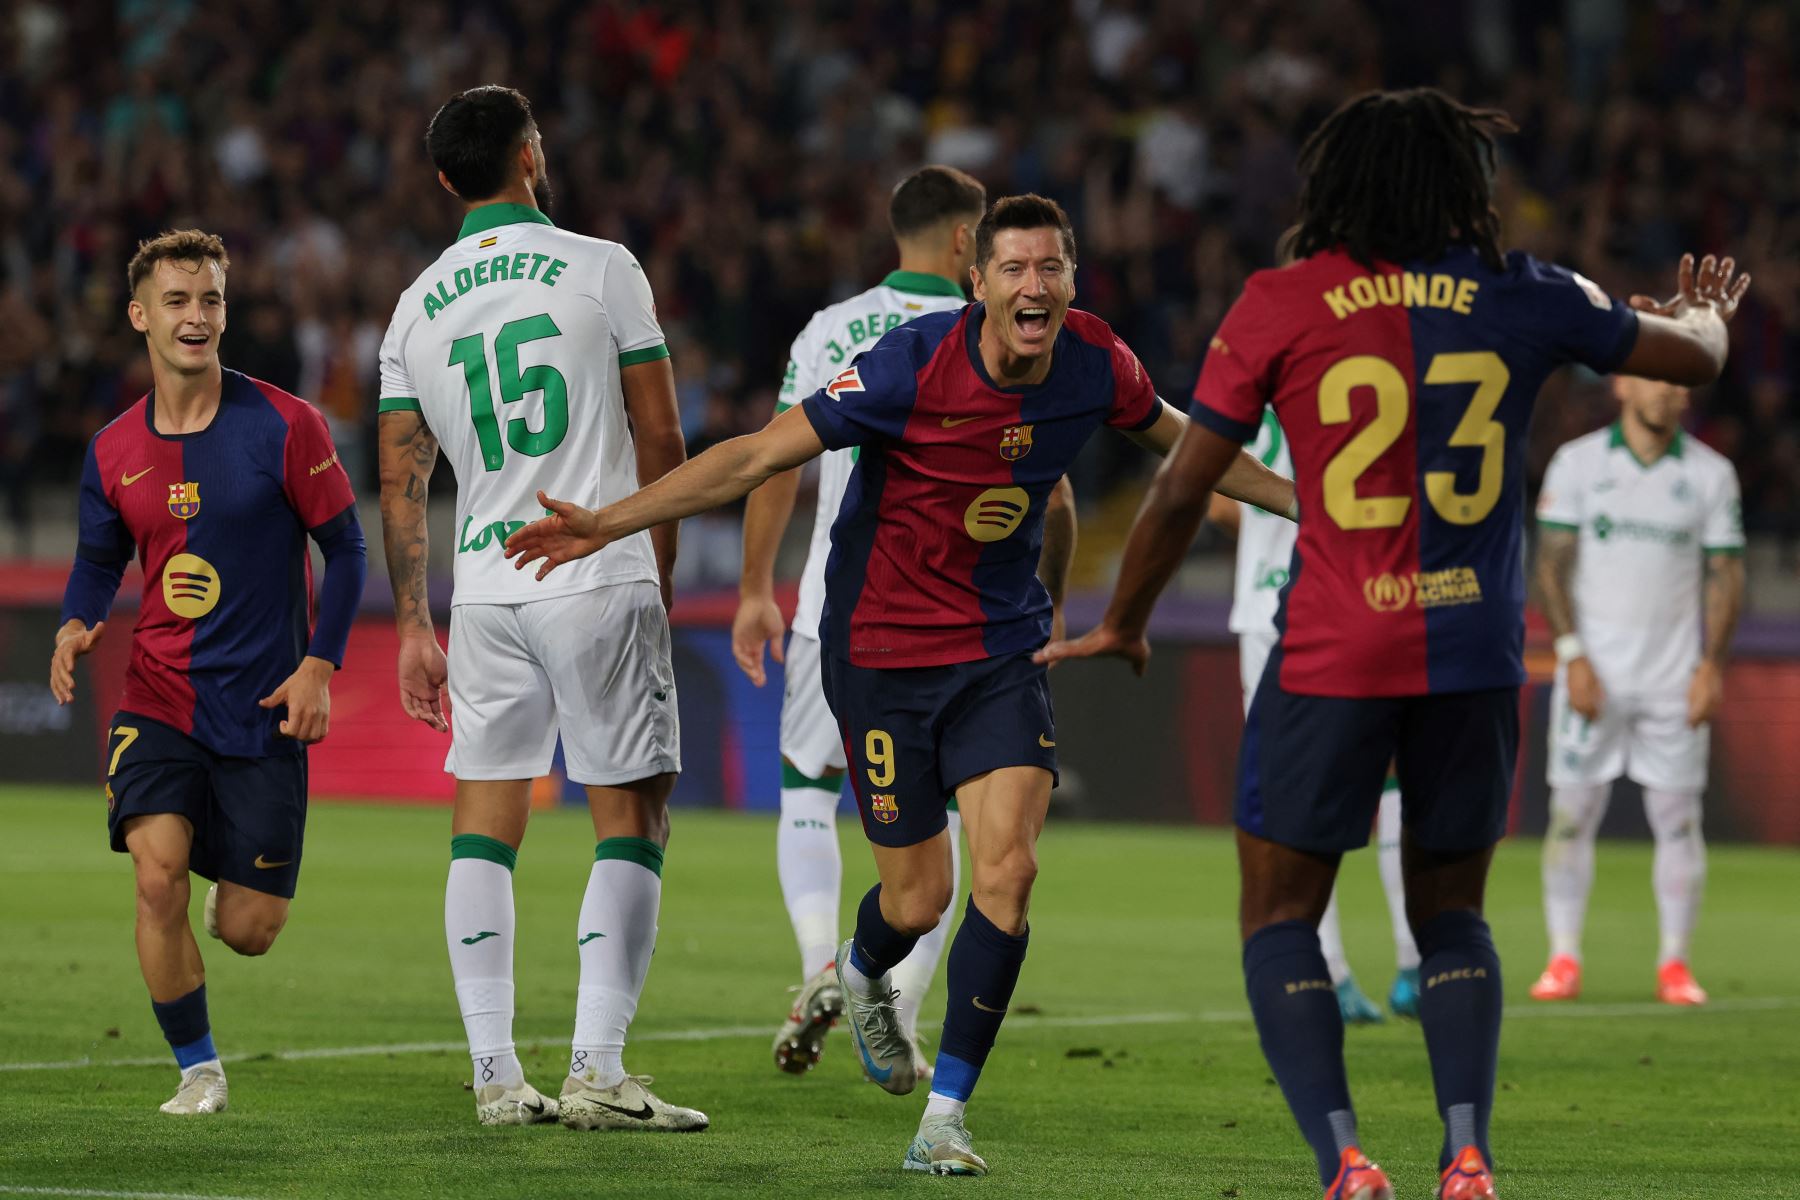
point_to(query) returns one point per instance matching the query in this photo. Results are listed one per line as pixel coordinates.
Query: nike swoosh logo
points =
(1045, 742)
(976, 1001)
(953, 422)
(534, 1109)
(127, 480)
(486, 933)
(878, 1074)
(640, 1114)
(590, 937)
(262, 865)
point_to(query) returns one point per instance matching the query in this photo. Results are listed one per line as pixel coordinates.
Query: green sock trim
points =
(480, 845)
(642, 851)
(792, 778)
(1392, 784)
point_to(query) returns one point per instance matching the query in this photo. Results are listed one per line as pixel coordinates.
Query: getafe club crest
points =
(885, 807)
(1015, 442)
(184, 499)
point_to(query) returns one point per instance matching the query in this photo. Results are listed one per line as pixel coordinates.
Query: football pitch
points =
(1129, 1065)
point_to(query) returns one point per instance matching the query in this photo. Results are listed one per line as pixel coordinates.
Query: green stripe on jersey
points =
(492, 216)
(643, 354)
(1562, 525)
(399, 404)
(1738, 549)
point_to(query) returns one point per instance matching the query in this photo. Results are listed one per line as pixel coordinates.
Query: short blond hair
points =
(181, 245)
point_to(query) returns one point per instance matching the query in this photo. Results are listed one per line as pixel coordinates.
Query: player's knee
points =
(1012, 875)
(921, 907)
(162, 891)
(251, 937)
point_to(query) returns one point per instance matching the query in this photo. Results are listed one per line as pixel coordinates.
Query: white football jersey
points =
(1644, 531)
(510, 346)
(1265, 543)
(834, 337)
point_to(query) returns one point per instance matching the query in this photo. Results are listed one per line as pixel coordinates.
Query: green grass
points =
(1625, 1101)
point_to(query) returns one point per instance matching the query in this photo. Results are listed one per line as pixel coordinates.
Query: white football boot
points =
(802, 1036)
(629, 1105)
(523, 1105)
(942, 1147)
(209, 912)
(886, 1051)
(202, 1091)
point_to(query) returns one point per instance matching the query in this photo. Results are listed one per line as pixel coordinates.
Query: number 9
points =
(878, 748)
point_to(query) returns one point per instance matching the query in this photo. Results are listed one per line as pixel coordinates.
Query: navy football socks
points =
(1302, 1034)
(185, 1027)
(877, 947)
(982, 972)
(1459, 1008)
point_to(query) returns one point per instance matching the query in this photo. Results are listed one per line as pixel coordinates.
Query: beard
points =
(540, 192)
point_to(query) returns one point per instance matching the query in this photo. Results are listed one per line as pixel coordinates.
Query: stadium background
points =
(744, 152)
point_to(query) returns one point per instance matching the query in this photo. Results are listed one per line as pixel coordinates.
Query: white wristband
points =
(1569, 648)
(1293, 509)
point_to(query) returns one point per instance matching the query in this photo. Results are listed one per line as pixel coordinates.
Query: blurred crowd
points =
(744, 150)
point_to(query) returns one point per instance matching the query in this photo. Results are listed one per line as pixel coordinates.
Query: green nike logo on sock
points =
(590, 937)
(486, 933)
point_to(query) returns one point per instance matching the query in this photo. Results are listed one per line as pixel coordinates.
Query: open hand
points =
(1710, 285)
(424, 673)
(758, 622)
(1102, 641)
(73, 640)
(572, 532)
(307, 695)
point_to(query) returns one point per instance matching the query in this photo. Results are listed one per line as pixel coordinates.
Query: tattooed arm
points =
(1557, 549)
(408, 452)
(1724, 603)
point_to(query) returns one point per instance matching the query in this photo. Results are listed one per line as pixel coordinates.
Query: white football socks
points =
(478, 928)
(615, 939)
(1393, 879)
(1331, 941)
(811, 867)
(1575, 814)
(1680, 869)
(914, 974)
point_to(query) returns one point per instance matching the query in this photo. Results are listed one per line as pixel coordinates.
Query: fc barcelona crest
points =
(184, 499)
(886, 807)
(1015, 442)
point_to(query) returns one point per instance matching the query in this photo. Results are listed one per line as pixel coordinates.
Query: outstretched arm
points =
(1165, 527)
(1683, 340)
(721, 475)
(1245, 476)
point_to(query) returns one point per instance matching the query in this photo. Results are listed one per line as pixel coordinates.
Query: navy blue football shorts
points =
(912, 735)
(248, 814)
(1311, 768)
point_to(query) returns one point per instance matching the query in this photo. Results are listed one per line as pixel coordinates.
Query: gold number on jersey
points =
(1477, 429)
(878, 748)
(126, 735)
(1348, 509)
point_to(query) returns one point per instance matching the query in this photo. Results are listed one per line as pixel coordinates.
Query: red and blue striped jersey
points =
(220, 520)
(934, 552)
(1405, 392)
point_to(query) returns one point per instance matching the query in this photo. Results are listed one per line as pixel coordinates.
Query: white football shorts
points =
(810, 738)
(1253, 655)
(594, 667)
(1645, 738)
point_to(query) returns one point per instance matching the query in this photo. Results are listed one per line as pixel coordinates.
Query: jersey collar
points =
(1616, 441)
(921, 284)
(492, 216)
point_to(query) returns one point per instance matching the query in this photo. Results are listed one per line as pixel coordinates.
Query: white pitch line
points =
(10, 1190)
(1026, 1020)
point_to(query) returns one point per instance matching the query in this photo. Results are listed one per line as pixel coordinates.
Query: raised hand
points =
(1710, 284)
(572, 532)
(73, 640)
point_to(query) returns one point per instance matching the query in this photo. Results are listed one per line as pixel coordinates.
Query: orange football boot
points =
(1358, 1179)
(1561, 980)
(1675, 984)
(1467, 1177)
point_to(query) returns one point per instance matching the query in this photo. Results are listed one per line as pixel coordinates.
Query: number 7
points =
(127, 735)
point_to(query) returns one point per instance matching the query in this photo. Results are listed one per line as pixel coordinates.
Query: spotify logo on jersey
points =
(190, 586)
(996, 513)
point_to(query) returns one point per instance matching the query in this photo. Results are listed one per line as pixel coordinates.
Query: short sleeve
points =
(798, 383)
(631, 311)
(1559, 500)
(1582, 323)
(870, 399)
(1723, 532)
(1235, 380)
(317, 487)
(1135, 403)
(398, 393)
(102, 537)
